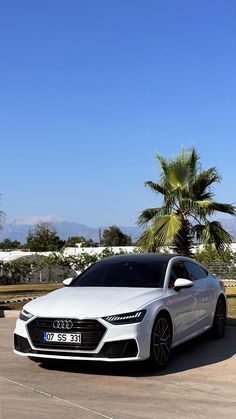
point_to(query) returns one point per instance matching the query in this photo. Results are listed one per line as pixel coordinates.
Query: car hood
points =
(87, 302)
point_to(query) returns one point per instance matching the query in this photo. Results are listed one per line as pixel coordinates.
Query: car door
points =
(203, 291)
(182, 303)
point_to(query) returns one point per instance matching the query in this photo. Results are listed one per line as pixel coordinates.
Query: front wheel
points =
(160, 343)
(219, 322)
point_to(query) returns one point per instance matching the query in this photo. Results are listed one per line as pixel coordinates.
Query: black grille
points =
(21, 344)
(119, 349)
(91, 333)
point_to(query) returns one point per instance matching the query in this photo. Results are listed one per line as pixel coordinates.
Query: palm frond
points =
(164, 163)
(161, 233)
(193, 209)
(206, 196)
(214, 234)
(212, 206)
(179, 176)
(203, 181)
(222, 207)
(180, 171)
(165, 228)
(185, 167)
(149, 214)
(193, 162)
(155, 187)
(147, 241)
(197, 231)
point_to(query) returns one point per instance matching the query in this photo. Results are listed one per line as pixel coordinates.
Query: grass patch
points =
(11, 292)
(230, 291)
(232, 307)
(49, 286)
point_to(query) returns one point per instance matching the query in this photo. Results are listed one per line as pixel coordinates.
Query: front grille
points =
(91, 332)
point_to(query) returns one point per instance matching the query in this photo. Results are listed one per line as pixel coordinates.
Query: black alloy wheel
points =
(160, 343)
(219, 322)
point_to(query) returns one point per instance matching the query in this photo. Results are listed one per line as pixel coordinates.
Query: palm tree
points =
(187, 207)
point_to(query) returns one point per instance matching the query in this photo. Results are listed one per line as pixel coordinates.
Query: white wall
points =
(74, 251)
(69, 251)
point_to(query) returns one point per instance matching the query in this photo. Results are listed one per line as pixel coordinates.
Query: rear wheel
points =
(160, 343)
(219, 322)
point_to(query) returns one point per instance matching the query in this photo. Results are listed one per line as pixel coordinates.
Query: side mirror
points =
(67, 281)
(183, 283)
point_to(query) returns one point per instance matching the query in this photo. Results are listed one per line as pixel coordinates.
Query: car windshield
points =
(123, 274)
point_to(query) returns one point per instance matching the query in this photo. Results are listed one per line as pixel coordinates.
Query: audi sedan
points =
(124, 308)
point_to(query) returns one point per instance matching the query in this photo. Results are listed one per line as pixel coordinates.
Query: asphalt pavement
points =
(200, 382)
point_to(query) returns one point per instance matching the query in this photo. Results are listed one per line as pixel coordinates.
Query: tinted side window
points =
(178, 271)
(195, 271)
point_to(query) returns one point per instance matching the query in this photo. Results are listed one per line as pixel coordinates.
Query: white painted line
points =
(57, 398)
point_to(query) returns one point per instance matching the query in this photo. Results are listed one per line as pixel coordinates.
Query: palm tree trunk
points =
(183, 240)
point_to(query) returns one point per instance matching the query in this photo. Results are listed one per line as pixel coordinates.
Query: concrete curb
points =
(231, 321)
(9, 313)
(18, 300)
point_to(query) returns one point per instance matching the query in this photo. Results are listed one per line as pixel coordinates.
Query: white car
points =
(124, 308)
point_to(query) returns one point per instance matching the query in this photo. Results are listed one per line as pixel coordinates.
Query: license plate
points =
(62, 337)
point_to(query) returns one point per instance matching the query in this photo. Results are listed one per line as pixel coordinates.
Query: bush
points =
(221, 264)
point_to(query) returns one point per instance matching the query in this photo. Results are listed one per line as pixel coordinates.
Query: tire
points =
(160, 343)
(219, 322)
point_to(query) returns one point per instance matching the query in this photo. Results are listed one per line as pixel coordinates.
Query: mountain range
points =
(19, 229)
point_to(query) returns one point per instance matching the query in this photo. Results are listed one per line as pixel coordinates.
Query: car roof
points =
(139, 257)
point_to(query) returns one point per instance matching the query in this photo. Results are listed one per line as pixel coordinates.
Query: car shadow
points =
(197, 353)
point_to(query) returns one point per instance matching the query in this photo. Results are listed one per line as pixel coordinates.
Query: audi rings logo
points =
(62, 324)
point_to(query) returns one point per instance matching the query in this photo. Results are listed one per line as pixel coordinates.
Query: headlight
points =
(126, 318)
(25, 315)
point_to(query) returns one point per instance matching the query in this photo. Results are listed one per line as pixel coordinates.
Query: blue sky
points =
(91, 89)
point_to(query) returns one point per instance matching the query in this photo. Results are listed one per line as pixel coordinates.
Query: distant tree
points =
(10, 244)
(43, 237)
(72, 241)
(113, 236)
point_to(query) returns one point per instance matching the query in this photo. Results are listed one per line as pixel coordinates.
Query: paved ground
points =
(200, 382)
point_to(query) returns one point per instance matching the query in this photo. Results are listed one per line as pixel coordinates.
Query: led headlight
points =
(25, 315)
(126, 318)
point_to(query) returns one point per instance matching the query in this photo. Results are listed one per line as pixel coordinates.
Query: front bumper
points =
(106, 342)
